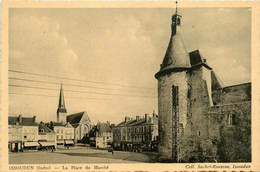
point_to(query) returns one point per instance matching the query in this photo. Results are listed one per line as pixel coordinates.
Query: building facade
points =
(137, 134)
(104, 135)
(46, 137)
(63, 132)
(196, 109)
(23, 132)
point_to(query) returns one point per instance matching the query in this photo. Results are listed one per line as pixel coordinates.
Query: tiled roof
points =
(26, 121)
(216, 82)
(45, 129)
(124, 124)
(103, 127)
(57, 124)
(138, 122)
(75, 118)
(197, 59)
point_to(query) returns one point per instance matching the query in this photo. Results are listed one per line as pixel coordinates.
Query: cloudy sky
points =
(112, 55)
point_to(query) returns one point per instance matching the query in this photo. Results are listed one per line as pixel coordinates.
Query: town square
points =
(129, 85)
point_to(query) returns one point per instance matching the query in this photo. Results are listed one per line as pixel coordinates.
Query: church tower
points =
(172, 94)
(61, 111)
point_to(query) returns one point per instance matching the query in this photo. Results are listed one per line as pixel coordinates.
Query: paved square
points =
(79, 154)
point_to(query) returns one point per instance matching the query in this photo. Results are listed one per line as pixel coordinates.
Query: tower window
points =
(232, 119)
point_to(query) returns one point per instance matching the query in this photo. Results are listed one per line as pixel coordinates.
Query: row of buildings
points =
(136, 134)
(24, 132)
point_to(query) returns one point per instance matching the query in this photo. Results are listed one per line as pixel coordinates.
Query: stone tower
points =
(61, 111)
(172, 94)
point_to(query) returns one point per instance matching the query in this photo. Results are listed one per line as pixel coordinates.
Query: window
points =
(57, 137)
(232, 120)
(123, 137)
(61, 131)
(104, 138)
(61, 136)
(25, 137)
(58, 131)
(135, 130)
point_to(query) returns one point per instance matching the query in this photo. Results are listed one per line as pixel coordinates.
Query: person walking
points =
(112, 151)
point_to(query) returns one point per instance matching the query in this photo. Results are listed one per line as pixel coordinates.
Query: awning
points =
(69, 142)
(30, 144)
(15, 141)
(47, 143)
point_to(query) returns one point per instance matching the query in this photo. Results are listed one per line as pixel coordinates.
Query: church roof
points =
(74, 119)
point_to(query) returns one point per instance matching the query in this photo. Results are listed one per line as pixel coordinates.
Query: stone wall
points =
(165, 84)
(232, 94)
(196, 128)
(236, 93)
(230, 131)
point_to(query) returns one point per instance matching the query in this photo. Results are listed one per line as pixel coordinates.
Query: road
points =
(80, 154)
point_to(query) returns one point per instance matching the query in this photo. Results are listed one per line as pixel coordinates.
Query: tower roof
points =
(176, 57)
(61, 107)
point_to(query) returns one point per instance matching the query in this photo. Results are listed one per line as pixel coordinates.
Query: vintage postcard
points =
(130, 86)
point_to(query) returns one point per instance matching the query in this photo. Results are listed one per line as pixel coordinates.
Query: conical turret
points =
(176, 57)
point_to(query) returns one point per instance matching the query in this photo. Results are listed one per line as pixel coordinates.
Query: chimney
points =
(34, 119)
(146, 117)
(137, 118)
(151, 119)
(127, 119)
(154, 115)
(20, 119)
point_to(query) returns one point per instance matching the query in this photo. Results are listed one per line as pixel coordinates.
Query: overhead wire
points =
(74, 85)
(23, 86)
(81, 80)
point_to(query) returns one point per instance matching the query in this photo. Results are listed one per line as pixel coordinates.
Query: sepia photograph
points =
(126, 85)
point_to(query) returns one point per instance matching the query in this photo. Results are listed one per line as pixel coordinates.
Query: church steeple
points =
(61, 111)
(61, 100)
(176, 57)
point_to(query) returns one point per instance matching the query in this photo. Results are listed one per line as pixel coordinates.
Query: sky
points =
(112, 55)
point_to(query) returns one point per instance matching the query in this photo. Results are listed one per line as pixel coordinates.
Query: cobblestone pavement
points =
(80, 154)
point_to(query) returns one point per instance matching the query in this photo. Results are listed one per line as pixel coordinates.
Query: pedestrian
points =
(112, 151)
(52, 149)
